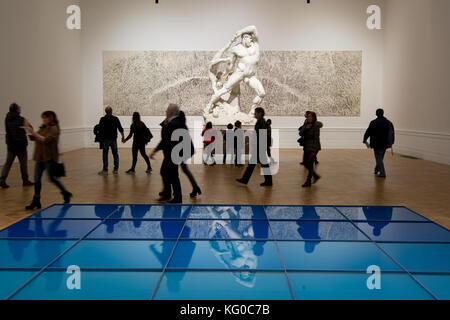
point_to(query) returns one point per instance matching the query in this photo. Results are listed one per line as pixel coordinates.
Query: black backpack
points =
(148, 136)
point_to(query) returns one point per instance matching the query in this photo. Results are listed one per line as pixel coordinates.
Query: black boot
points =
(195, 192)
(35, 204)
(307, 184)
(67, 195)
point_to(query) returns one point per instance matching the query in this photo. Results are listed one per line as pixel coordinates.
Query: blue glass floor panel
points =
(438, 284)
(223, 286)
(433, 257)
(407, 232)
(234, 254)
(224, 252)
(118, 254)
(303, 213)
(353, 286)
(316, 230)
(30, 253)
(76, 212)
(228, 212)
(342, 256)
(55, 229)
(94, 285)
(380, 214)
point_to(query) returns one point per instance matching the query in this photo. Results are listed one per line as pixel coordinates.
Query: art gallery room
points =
(103, 100)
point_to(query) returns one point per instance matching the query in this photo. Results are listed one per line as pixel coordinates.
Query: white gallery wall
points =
(417, 76)
(210, 24)
(40, 67)
(405, 66)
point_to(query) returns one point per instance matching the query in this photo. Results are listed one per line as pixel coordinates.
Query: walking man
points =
(382, 135)
(109, 125)
(16, 141)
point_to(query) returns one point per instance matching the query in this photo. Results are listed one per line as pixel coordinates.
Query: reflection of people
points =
(378, 218)
(141, 136)
(311, 231)
(46, 156)
(138, 212)
(16, 141)
(381, 134)
(163, 253)
(245, 56)
(169, 169)
(103, 212)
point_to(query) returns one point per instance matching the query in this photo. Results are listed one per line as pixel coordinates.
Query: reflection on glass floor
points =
(225, 252)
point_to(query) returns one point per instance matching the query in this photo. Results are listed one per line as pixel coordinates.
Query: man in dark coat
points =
(169, 169)
(108, 127)
(17, 142)
(261, 155)
(381, 134)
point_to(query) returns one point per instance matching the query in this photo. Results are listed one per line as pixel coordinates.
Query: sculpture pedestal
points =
(224, 116)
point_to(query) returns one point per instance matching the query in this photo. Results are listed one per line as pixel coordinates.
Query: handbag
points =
(57, 169)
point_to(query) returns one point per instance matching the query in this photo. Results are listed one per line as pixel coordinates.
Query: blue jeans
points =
(106, 145)
(379, 156)
(38, 172)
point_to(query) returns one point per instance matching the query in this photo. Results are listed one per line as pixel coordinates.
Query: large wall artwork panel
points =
(328, 82)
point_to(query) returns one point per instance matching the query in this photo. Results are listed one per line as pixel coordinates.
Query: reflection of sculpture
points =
(240, 67)
(234, 254)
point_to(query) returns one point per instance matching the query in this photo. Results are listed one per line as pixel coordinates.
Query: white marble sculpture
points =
(228, 72)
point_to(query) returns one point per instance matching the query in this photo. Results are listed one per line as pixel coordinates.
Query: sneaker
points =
(131, 171)
(316, 178)
(28, 184)
(3, 185)
(265, 184)
(381, 175)
(115, 172)
(103, 173)
(307, 184)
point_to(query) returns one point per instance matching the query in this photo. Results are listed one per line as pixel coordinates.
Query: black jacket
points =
(138, 133)
(166, 144)
(381, 133)
(109, 125)
(16, 138)
(311, 137)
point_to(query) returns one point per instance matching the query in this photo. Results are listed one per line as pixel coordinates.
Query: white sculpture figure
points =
(240, 67)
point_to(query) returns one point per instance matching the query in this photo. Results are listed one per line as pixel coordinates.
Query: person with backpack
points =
(382, 136)
(141, 136)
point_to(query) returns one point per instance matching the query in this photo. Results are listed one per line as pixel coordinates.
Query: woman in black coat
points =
(141, 136)
(310, 133)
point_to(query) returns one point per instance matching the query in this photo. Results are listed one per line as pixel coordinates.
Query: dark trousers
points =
(188, 173)
(171, 179)
(23, 158)
(113, 145)
(309, 160)
(379, 157)
(38, 172)
(249, 171)
(139, 147)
